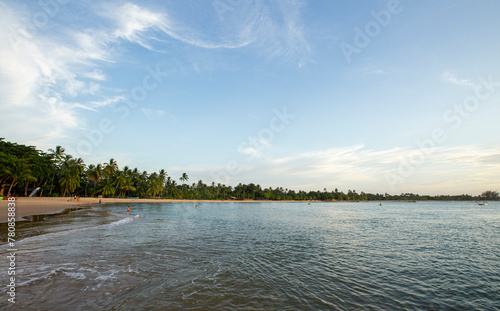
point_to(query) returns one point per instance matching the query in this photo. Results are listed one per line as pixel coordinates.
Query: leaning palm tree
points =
(26, 179)
(20, 171)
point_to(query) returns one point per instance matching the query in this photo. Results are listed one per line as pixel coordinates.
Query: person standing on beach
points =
(128, 210)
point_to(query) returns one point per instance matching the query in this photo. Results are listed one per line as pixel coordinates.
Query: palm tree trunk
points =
(52, 183)
(117, 185)
(41, 189)
(12, 185)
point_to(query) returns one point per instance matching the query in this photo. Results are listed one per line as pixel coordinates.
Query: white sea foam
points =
(75, 275)
(106, 277)
(97, 273)
(34, 279)
(47, 271)
(63, 233)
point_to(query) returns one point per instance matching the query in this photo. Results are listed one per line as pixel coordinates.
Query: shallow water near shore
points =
(261, 256)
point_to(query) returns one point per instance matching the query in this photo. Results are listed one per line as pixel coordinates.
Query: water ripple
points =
(439, 256)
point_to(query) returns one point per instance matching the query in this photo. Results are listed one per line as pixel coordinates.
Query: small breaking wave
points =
(63, 233)
(97, 273)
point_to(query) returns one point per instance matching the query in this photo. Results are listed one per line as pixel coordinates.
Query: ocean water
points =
(260, 256)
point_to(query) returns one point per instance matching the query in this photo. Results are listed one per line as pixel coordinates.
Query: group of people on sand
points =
(78, 199)
(75, 198)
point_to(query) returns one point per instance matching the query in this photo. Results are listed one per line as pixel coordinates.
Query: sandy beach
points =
(44, 206)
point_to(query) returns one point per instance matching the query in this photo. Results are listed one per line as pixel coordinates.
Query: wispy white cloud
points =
(153, 114)
(362, 72)
(148, 28)
(95, 74)
(250, 151)
(279, 31)
(107, 101)
(346, 164)
(273, 30)
(136, 24)
(451, 78)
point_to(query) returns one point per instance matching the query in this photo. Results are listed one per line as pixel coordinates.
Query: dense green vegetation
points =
(24, 168)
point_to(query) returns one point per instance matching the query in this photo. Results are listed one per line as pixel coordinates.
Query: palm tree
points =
(162, 176)
(171, 186)
(128, 185)
(108, 188)
(69, 182)
(20, 172)
(80, 165)
(127, 172)
(490, 195)
(94, 173)
(154, 189)
(110, 168)
(42, 168)
(199, 187)
(66, 161)
(70, 171)
(154, 185)
(184, 178)
(57, 155)
(27, 178)
(120, 178)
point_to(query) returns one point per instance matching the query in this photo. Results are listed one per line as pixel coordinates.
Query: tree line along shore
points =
(56, 173)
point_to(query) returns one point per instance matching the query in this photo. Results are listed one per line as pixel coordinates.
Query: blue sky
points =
(377, 96)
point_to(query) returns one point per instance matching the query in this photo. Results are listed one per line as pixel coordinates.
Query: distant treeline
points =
(24, 168)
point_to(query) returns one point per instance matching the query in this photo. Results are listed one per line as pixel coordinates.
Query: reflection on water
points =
(263, 256)
(66, 219)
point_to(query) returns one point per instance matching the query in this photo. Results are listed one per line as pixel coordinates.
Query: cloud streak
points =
(451, 78)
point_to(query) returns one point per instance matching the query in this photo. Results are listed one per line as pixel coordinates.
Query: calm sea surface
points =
(261, 256)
